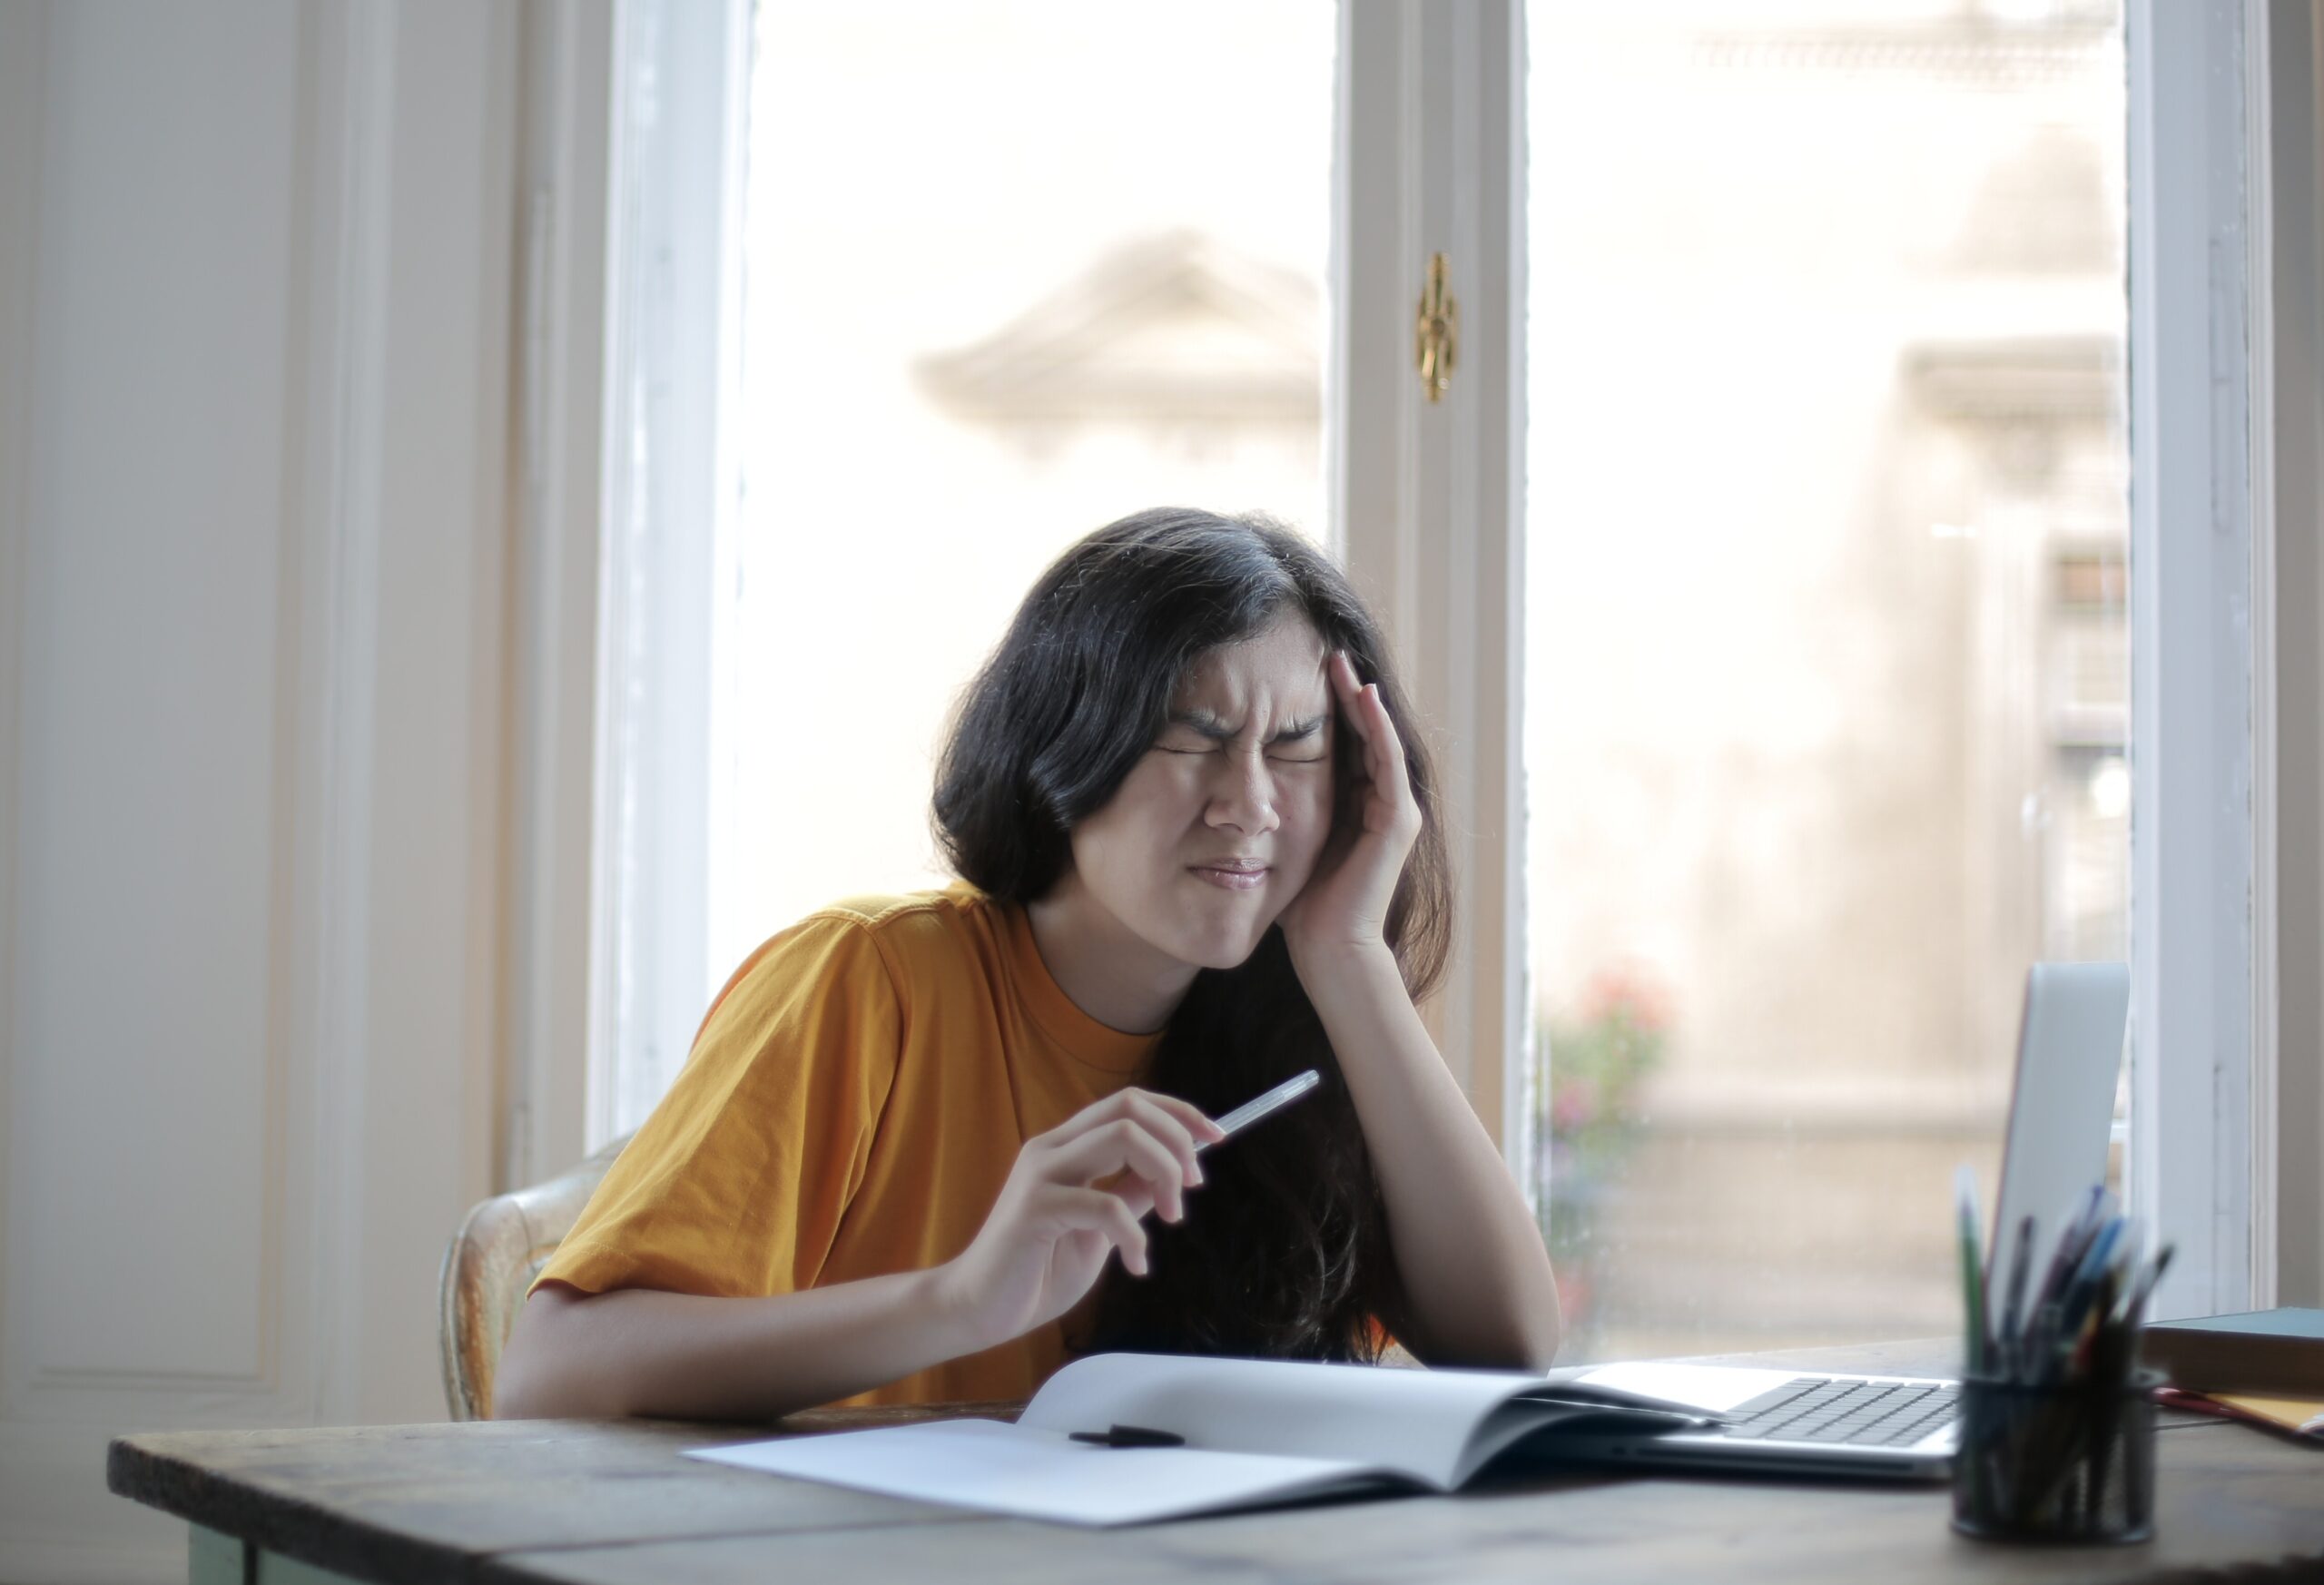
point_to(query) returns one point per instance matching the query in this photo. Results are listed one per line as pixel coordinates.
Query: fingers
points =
(1388, 772)
(1095, 1211)
(1349, 689)
(1125, 1144)
(1190, 1116)
(1384, 747)
(1179, 1125)
(1132, 1191)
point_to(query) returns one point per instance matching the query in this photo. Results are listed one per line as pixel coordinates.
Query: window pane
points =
(1825, 633)
(1012, 271)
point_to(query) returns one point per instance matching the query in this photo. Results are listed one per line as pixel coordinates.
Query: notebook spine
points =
(2219, 1361)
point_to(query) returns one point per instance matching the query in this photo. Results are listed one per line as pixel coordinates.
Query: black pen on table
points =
(1129, 1436)
(1232, 1124)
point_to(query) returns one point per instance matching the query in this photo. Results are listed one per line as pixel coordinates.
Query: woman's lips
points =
(1229, 878)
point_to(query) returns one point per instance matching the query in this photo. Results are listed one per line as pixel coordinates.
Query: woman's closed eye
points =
(1199, 732)
(1285, 755)
(1302, 745)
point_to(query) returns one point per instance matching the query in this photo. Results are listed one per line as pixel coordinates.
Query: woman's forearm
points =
(684, 1356)
(1475, 1272)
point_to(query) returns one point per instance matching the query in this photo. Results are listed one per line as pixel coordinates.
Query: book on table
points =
(2262, 1351)
(1231, 1433)
(2299, 1417)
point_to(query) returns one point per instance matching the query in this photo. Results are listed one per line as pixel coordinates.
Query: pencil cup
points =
(2056, 1461)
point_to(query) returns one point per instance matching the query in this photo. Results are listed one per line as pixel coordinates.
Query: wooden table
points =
(613, 1502)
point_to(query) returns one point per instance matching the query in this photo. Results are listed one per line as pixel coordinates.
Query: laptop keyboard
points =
(1856, 1413)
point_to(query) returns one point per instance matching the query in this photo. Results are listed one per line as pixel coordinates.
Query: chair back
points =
(490, 1268)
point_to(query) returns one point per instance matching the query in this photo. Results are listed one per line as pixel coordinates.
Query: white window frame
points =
(594, 897)
(559, 505)
(1427, 499)
(2211, 717)
(2192, 952)
(674, 299)
(2288, 465)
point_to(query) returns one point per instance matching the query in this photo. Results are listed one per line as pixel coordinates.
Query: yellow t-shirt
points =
(852, 1107)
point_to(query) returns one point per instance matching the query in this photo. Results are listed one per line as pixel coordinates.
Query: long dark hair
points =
(1285, 1254)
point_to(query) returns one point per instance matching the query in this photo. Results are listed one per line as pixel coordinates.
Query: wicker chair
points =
(491, 1262)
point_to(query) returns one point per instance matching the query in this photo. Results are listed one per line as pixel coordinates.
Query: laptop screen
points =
(2062, 1109)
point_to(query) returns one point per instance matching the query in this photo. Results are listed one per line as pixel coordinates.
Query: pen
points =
(2069, 1249)
(2081, 1303)
(1973, 1296)
(2089, 1330)
(1130, 1436)
(2021, 1262)
(1252, 1110)
(2096, 1258)
(2144, 1287)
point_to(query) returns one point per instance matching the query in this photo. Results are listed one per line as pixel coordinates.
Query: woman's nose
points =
(1245, 800)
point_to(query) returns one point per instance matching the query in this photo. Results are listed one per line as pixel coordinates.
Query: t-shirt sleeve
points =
(736, 1185)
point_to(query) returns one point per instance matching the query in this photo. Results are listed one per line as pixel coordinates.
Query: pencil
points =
(1973, 1296)
(2021, 1265)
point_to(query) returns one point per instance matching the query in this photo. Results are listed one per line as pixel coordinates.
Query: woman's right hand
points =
(1074, 1196)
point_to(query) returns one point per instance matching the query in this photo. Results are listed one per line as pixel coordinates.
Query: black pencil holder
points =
(2056, 1461)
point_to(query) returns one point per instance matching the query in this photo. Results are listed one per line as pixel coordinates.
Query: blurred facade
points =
(1091, 294)
(1827, 672)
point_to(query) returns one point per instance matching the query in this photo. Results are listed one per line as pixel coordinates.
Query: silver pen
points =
(1259, 1107)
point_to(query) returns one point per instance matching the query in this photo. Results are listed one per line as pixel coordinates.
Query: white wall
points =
(256, 266)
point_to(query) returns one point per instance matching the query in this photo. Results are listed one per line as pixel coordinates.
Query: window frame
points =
(1426, 500)
(2286, 82)
(672, 306)
(2211, 715)
(558, 505)
(1428, 90)
(1427, 510)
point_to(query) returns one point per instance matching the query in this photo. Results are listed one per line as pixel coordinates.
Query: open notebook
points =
(1255, 1431)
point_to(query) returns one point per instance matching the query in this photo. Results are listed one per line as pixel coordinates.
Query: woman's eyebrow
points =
(1209, 725)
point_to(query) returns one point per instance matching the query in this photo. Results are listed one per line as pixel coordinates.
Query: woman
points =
(1198, 857)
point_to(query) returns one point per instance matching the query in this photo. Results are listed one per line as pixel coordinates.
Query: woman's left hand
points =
(1345, 904)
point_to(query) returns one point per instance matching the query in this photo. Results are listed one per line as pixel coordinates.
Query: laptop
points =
(2061, 1117)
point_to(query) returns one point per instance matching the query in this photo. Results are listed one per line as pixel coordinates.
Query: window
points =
(1827, 388)
(997, 289)
(1826, 673)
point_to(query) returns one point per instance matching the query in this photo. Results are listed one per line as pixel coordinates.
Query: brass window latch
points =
(1436, 334)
